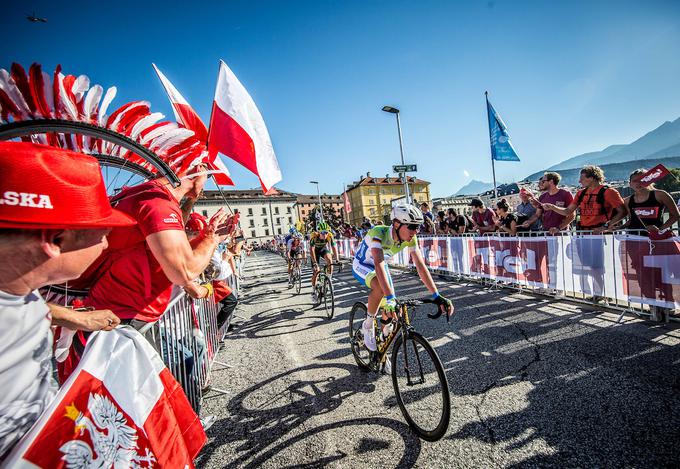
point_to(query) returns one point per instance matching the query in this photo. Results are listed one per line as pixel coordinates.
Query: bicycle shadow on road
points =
(263, 417)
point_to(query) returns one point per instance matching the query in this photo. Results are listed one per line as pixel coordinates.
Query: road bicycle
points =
(324, 289)
(418, 376)
(296, 276)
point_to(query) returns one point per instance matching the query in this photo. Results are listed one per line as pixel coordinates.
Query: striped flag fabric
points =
(237, 130)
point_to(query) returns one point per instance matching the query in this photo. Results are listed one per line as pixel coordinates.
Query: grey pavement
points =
(534, 382)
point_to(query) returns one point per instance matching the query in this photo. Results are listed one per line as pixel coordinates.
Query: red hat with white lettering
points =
(47, 187)
(196, 222)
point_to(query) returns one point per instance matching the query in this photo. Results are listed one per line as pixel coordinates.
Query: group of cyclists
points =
(369, 265)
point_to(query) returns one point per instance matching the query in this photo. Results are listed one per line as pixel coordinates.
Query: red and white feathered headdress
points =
(73, 115)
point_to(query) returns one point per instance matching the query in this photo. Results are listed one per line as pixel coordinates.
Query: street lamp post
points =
(395, 111)
(319, 195)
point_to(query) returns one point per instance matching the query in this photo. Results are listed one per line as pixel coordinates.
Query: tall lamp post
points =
(319, 195)
(395, 111)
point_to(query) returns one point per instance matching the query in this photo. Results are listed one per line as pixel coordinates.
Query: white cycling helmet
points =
(407, 213)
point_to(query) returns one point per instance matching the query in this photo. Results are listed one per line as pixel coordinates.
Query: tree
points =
(330, 215)
(670, 183)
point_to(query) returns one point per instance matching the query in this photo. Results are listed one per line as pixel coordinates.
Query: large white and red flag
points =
(238, 131)
(185, 115)
(348, 206)
(121, 407)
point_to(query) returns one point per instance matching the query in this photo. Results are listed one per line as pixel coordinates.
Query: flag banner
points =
(185, 115)
(237, 130)
(655, 174)
(120, 408)
(651, 270)
(348, 206)
(501, 147)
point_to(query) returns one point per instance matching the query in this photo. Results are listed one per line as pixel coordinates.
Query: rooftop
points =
(384, 181)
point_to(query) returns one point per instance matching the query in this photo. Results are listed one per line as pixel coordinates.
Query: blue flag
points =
(501, 147)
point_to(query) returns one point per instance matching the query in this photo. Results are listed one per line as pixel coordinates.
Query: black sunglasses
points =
(412, 227)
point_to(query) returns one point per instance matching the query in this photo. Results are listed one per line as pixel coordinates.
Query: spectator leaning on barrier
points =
(54, 218)
(600, 206)
(134, 276)
(457, 224)
(529, 211)
(508, 222)
(440, 223)
(647, 206)
(483, 218)
(428, 226)
(552, 221)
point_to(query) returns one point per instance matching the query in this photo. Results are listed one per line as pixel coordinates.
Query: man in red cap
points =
(54, 218)
(135, 275)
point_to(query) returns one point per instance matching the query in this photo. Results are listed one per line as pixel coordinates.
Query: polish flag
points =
(185, 115)
(238, 131)
(657, 173)
(120, 408)
(348, 206)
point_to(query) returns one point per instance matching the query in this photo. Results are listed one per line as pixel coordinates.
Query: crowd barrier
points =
(628, 271)
(186, 336)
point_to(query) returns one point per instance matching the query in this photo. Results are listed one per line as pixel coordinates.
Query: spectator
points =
(457, 224)
(508, 222)
(552, 221)
(54, 219)
(599, 205)
(441, 225)
(483, 218)
(135, 275)
(428, 219)
(647, 206)
(527, 211)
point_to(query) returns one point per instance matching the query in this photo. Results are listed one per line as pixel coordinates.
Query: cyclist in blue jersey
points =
(370, 265)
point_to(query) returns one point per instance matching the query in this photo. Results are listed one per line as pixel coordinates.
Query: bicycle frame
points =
(403, 325)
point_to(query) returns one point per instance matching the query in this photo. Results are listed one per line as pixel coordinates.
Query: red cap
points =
(47, 187)
(196, 222)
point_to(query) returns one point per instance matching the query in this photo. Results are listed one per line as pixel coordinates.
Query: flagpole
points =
(493, 165)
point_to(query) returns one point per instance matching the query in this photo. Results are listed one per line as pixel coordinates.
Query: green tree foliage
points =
(670, 183)
(331, 216)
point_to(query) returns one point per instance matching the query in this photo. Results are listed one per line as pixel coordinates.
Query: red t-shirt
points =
(590, 209)
(563, 199)
(127, 278)
(483, 219)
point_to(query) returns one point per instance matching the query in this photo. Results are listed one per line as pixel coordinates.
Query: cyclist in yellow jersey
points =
(319, 243)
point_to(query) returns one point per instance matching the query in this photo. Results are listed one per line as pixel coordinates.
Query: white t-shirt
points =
(27, 383)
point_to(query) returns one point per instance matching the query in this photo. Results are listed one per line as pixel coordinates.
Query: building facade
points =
(261, 216)
(371, 197)
(308, 203)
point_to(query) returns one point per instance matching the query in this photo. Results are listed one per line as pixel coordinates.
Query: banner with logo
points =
(121, 407)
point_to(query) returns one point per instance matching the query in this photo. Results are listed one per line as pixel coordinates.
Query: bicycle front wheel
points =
(329, 298)
(298, 280)
(420, 386)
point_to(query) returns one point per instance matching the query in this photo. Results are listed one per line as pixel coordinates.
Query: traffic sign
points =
(404, 168)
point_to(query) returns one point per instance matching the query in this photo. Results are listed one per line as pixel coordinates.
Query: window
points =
(370, 192)
(276, 210)
(279, 230)
(264, 210)
(289, 210)
(372, 211)
(371, 201)
(266, 232)
(250, 212)
(278, 220)
(252, 223)
(205, 213)
(252, 233)
(290, 220)
(264, 222)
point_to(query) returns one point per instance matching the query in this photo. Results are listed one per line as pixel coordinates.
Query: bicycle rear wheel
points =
(356, 337)
(328, 298)
(421, 386)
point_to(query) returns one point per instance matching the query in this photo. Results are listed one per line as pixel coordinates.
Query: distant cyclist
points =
(294, 249)
(370, 265)
(321, 244)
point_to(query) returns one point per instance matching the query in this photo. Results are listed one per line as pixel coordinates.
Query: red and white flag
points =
(655, 174)
(121, 407)
(238, 131)
(348, 206)
(185, 115)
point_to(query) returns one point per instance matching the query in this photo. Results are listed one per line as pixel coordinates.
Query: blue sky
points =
(566, 77)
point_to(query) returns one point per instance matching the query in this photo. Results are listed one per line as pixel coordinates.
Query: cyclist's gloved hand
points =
(444, 305)
(390, 303)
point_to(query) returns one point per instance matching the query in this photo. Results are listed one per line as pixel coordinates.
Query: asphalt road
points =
(533, 383)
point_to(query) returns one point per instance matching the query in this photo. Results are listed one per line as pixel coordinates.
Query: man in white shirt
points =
(54, 218)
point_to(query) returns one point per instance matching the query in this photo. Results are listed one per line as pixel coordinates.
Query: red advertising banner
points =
(435, 253)
(651, 271)
(511, 259)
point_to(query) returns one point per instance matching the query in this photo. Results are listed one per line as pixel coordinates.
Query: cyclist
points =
(370, 266)
(319, 243)
(294, 248)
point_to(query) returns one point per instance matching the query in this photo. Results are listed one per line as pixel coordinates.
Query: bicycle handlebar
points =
(420, 301)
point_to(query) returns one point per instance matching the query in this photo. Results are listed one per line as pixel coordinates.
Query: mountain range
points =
(661, 145)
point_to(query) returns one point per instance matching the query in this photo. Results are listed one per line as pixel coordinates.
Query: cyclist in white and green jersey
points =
(370, 265)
